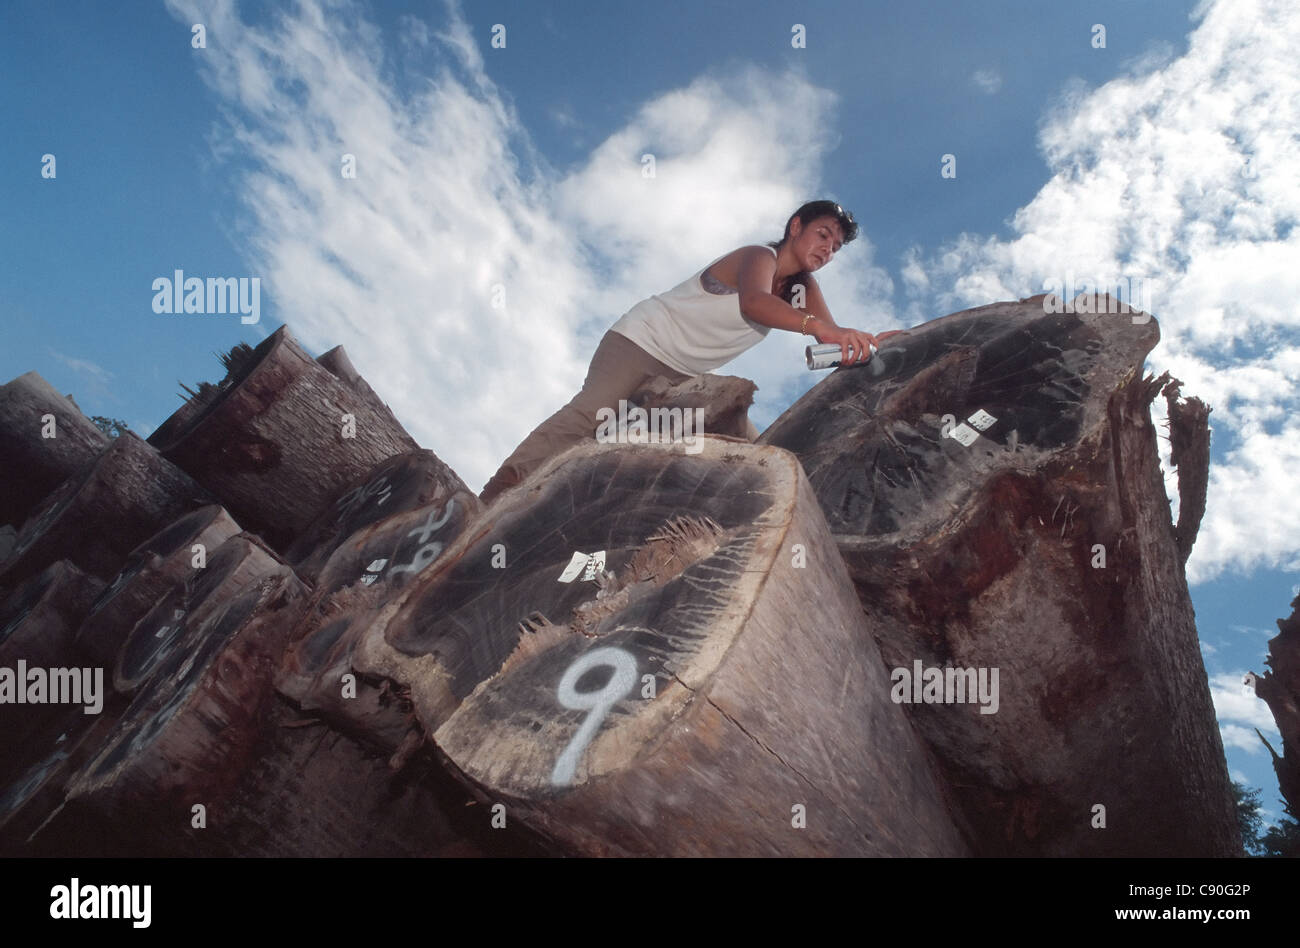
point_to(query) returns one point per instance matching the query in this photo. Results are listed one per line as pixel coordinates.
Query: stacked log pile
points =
(315, 641)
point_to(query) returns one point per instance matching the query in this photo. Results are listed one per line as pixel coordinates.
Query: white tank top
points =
(691, 329)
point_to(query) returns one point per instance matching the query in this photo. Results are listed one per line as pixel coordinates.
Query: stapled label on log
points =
(588, 566)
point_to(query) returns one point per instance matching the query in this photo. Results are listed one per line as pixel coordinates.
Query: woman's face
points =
(815, 243)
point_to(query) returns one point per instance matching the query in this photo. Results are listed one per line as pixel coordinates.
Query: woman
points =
(701, 324)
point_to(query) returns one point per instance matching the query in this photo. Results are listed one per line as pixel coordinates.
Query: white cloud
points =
(1242, 738)
(1185, 174)
(1239, 711)
(988, 80)
(95, 374)
(451, 200)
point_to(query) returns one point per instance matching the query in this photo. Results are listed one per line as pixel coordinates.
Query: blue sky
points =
(1169, 154)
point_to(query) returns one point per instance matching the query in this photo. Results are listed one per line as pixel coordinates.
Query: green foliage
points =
(112, 427)
(1280, 840)
(1248, 818)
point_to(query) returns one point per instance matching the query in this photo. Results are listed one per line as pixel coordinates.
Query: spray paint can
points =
(825, 355)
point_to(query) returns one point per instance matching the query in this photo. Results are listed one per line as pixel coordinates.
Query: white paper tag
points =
(981, 420)
(595, 564)
(576, 565)
(376, 565)
(964, 434)
(587, 566)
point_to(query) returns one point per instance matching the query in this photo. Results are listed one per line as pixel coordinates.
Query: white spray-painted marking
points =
(597, 702)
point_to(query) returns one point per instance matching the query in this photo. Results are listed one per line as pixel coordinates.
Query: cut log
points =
(395, 486)
(238, 564)
(191, 728)
(37, 658)
(38, 455)
(96, 518)
(369, 569)
(994, 486)
(719, 403)
(1280, 689)
(709, 689)
(279, 437)
(165, 560)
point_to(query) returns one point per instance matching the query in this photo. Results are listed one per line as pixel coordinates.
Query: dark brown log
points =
(1189, 444)
(733, 691)
(96, 518)
(37, 624)
(33, 794)
(161, 562)
(394, 486)
(238, 564)
(191, 728)
(1040, 545)
(721, 402)
(313, 792)
(272, 442)
(365, 572)
(1280, 689)
(34, 464)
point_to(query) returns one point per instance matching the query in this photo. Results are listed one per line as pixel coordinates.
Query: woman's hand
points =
(854, 346)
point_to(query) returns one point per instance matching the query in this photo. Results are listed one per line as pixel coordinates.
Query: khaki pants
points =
(618, 368)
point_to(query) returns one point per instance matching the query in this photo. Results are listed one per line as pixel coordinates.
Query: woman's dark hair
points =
(806, 214)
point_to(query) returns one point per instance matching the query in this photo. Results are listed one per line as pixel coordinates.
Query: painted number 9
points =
(597, 702)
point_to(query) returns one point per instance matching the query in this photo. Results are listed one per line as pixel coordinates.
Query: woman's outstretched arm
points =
(759, 304)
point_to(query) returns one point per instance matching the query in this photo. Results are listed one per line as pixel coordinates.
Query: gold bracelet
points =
(803, 326)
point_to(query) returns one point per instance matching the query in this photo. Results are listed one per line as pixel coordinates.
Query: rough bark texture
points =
(1280, 689)
(98, 517)
(1038, 544)
(314, 792)
(748, 710)
(1189, 442)
(32, 465)
(272, 443)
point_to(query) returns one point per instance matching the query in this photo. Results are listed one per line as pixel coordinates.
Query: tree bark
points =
(154, 567)
(1034, 540)
(1280, 689)
(743, 708)
(274, 443)
(34, 465)
(98, 517)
